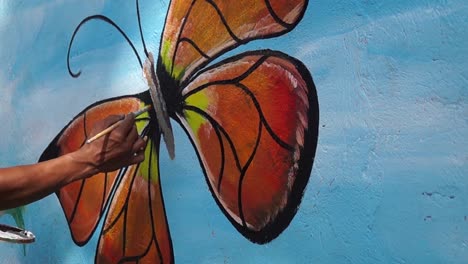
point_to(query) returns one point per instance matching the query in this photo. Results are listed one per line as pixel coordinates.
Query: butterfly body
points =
(159, 102)
(251, 118)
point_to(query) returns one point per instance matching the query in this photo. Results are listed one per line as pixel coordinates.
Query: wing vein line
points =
(221, 170)
(72, 216)
(104, 193)
(195, 46)
(276, 17)
(78, 199)
(221, 145)
(124, 207)
(85, 130)
(120, 176)
(248, 92)
(223, 20)
(244, 171)
(138, 257)
(231, 81)
(182, 27)
(278, 140)
(214, 123)
(151, 206)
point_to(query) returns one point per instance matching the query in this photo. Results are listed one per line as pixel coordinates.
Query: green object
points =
(17, 214)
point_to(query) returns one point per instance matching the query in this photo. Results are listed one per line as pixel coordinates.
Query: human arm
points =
(24, 184)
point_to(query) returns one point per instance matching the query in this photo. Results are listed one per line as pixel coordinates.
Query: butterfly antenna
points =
(139, 25)
(108, 21)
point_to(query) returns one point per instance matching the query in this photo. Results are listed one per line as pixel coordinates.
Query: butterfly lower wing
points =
(136, 229)
(84, 201)
(254, 122)
(144, 213)
(198, 31)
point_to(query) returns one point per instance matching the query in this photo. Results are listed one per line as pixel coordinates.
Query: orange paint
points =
(202, 24)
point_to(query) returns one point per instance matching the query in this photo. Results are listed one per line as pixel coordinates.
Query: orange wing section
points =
(136, 229)
(254, 122)
(198, 31)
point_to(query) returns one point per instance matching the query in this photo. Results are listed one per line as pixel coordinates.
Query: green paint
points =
(165, 55)
(17, 214)
(177, 71)
(201, 101)
(142, 124)
(144, 166)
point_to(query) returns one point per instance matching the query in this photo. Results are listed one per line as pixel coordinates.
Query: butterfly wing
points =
(85, 201)
(136, 229)
(253, 120)
(198, 31)
(78, 199)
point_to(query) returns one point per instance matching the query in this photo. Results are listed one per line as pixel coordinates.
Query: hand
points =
(121, 147)
(21, 185)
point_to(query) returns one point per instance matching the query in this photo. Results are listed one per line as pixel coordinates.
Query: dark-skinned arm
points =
(24, 184)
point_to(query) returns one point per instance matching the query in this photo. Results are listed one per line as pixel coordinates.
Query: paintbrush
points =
(116, 124)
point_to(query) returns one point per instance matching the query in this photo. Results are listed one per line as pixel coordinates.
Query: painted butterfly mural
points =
(252, 119)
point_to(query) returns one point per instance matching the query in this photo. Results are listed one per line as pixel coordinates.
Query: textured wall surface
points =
(389, 184)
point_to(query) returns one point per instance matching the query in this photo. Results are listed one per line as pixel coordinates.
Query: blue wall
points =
(389, 184)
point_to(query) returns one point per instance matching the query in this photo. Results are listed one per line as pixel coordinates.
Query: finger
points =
(105, 123)
(133, 135)
(110, 120)
(137, 158)
(139, 145)
(127, 124)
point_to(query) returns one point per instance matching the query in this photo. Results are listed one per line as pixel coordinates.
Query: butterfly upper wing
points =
(85, 201)
(253, 119)
(197, 31)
